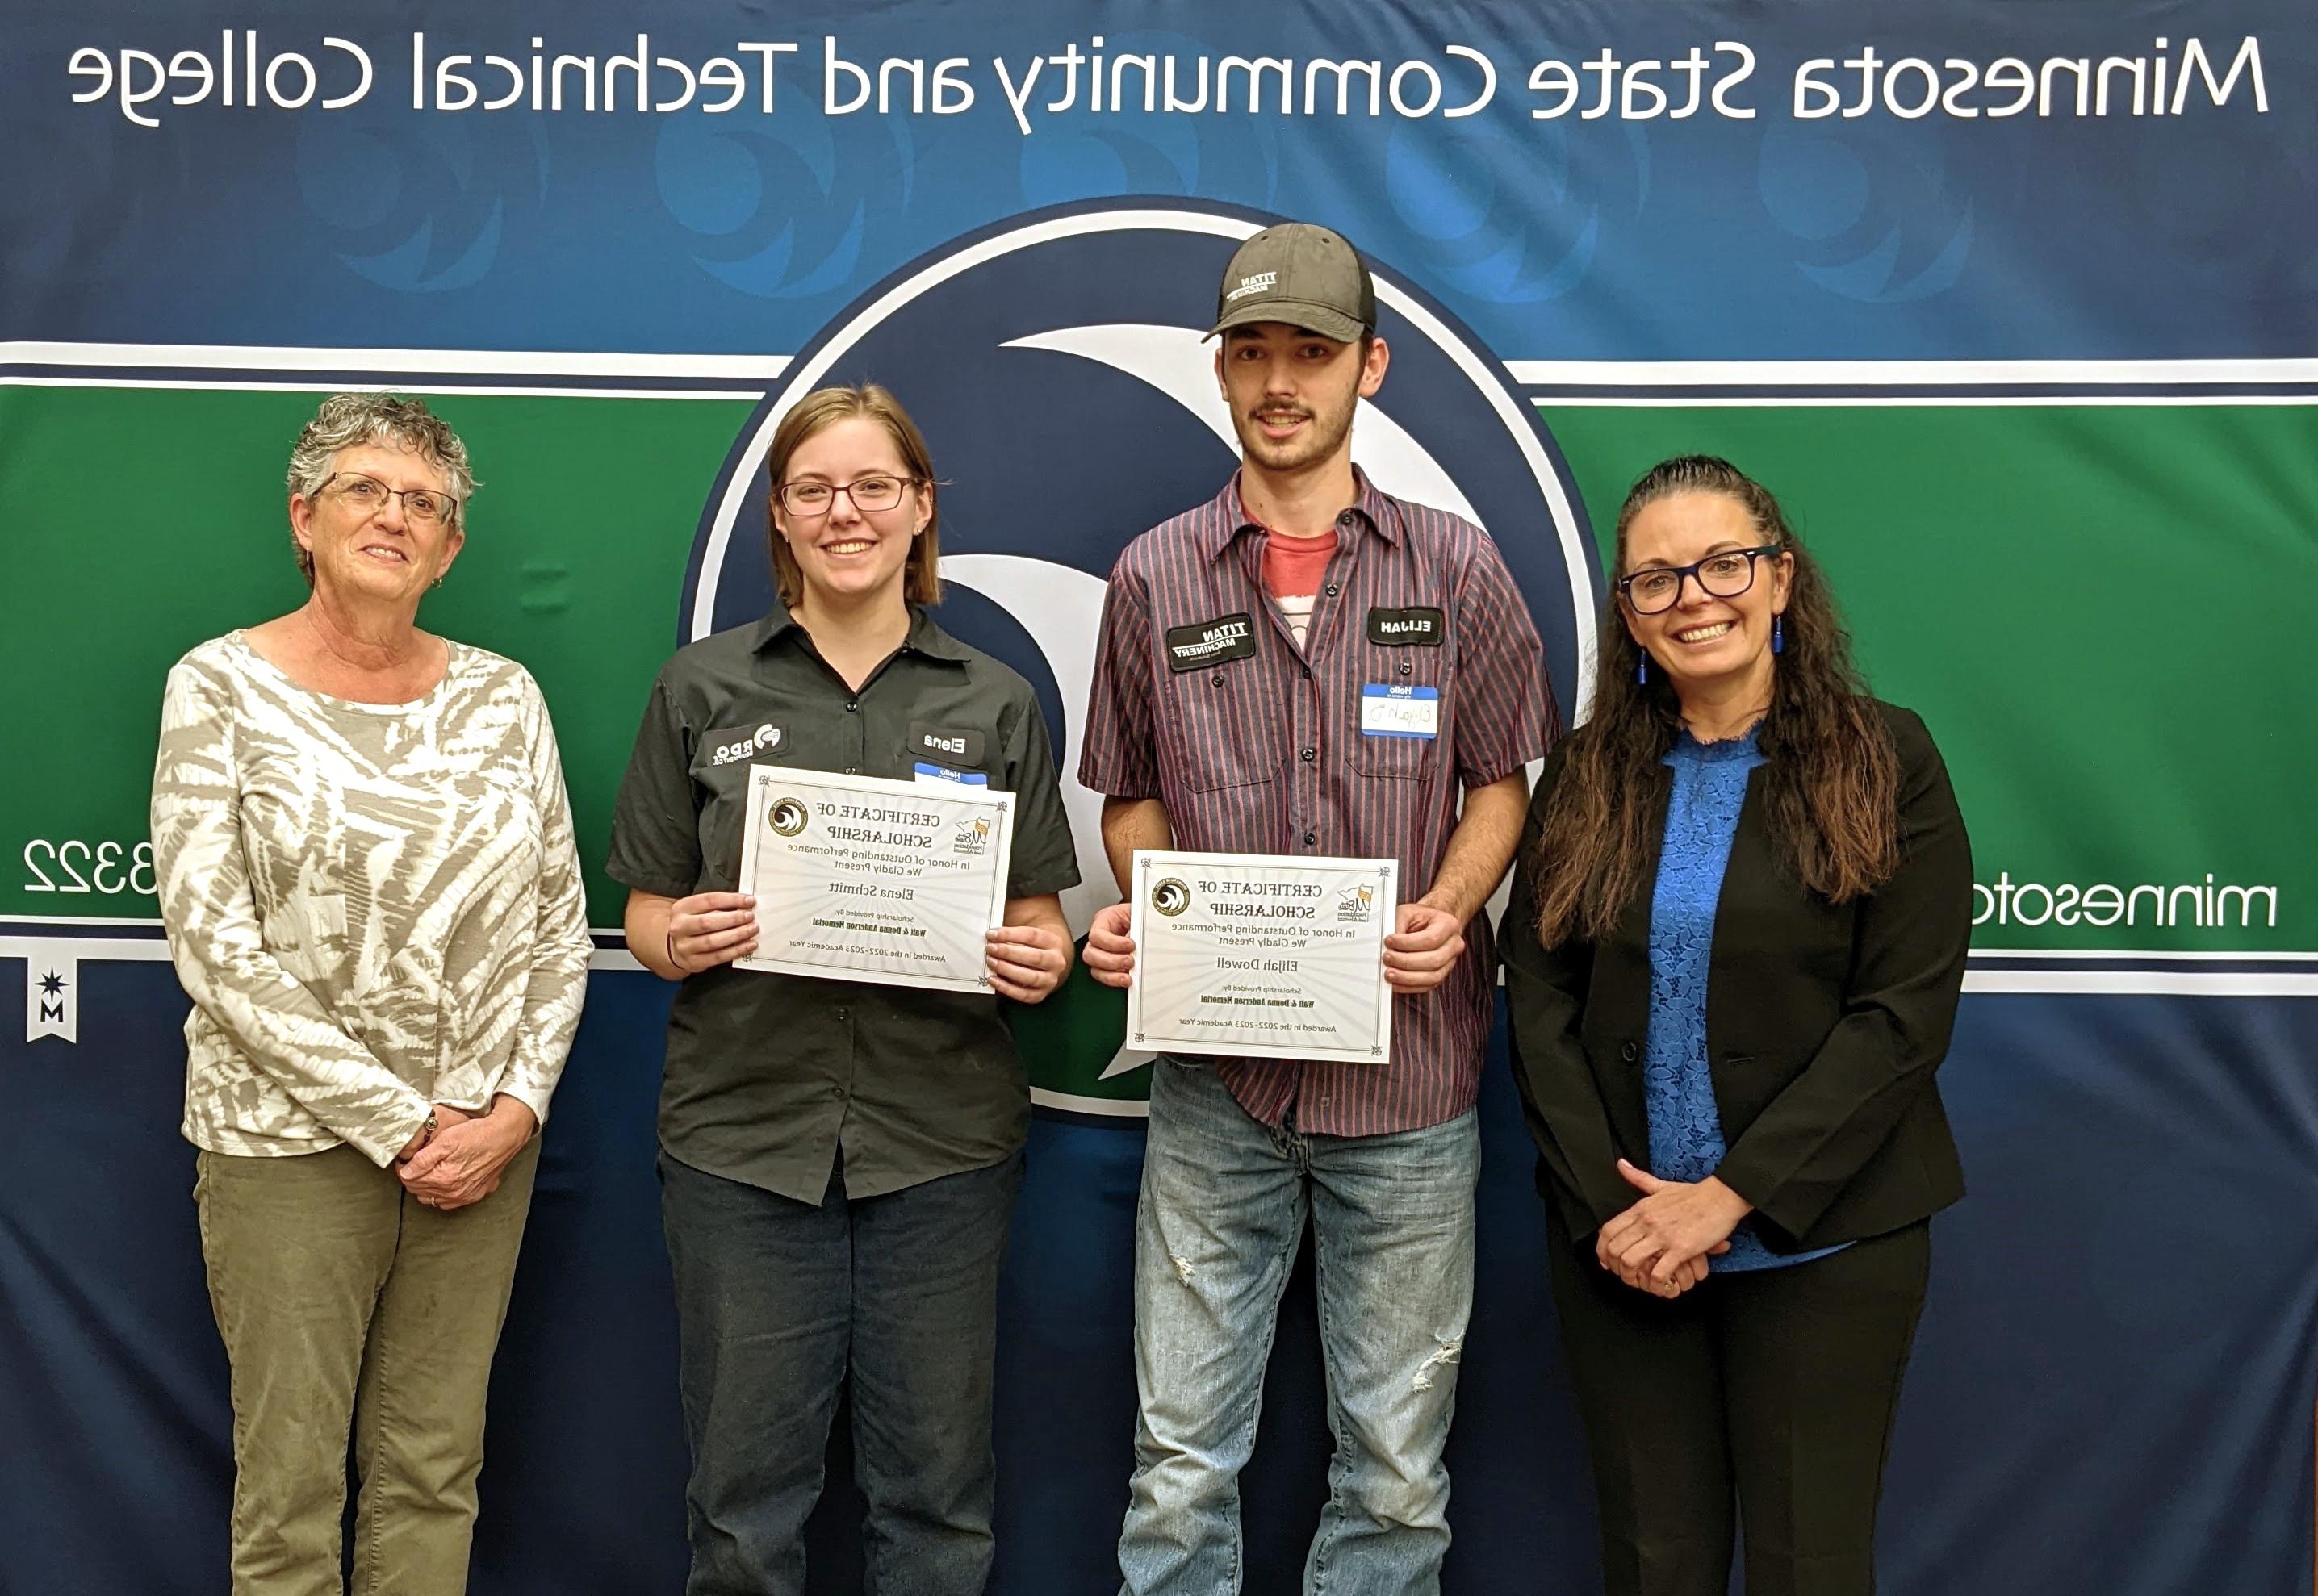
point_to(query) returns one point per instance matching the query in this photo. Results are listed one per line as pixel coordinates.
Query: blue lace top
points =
(1709, 785)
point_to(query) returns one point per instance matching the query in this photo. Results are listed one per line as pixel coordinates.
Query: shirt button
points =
(853, 770)
(1404, 668)
(845, 1014)
(1345, 519)
(1311, 838)
(1628, 1051)
(1215, 680)
(851, 705)
(1308, 673)
(1330, 589)
(1310, 755)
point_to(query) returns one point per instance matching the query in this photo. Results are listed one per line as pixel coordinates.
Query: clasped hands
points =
(1661, 1244)
(463, 1161)
(710, 929)
(1423, 946)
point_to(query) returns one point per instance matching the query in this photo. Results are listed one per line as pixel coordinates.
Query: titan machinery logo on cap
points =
(1262, 282)
(1308, 277)
(1127, 429)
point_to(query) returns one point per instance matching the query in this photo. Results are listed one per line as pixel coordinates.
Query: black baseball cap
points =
(1304, 275)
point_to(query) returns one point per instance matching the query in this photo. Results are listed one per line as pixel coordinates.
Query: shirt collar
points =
(924, 636)
(1371, 509)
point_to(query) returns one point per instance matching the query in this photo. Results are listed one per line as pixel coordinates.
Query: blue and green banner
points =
(2015, 308)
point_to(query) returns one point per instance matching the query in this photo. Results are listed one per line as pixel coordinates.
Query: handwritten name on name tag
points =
(1392, 710)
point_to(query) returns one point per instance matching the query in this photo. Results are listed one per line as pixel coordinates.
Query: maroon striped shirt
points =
(1264, 753)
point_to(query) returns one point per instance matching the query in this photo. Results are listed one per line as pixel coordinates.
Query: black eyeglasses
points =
(809, 498)
(1723, 574)
(370, 495)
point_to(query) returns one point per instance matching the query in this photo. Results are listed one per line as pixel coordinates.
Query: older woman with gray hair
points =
(367, 870)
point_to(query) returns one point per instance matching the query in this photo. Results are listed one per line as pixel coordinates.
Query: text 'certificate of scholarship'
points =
(1260, 955)
(861, 878)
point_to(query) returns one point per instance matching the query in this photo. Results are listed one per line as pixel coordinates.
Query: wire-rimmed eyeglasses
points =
(369, 495)
(875, 492)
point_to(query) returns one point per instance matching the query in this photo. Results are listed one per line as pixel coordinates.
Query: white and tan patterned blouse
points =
(374, 908)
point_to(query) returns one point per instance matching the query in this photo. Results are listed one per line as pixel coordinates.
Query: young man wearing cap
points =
(1257, 744)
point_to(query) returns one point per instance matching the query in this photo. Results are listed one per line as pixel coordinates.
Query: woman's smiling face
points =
(371, 545)
(844, 551)
(1699, 637)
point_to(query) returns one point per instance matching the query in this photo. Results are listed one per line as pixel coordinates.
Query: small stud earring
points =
(1778, 634)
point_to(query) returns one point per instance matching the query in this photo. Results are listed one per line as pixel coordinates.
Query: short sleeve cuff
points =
(643, 878)
(1485, 772)
(1058, 880)
(1114, 781)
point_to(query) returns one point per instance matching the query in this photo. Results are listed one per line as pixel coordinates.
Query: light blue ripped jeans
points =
(1222, 1211)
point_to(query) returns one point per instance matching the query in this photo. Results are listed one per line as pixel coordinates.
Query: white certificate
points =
(858, 878)
(1258, 955)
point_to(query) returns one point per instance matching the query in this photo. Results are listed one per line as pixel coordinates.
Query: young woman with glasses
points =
(1733, 956)
(838, 1158)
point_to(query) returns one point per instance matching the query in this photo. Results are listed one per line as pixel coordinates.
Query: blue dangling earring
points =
(1642, 670)
(1778, 634)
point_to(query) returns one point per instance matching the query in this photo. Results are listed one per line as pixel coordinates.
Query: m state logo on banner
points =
(1056, 365)
(52, 991)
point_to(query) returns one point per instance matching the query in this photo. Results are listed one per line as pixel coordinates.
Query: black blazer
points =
(1823, 1026)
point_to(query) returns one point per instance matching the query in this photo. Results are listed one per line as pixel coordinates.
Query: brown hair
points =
(1832, 773)
(825, 407)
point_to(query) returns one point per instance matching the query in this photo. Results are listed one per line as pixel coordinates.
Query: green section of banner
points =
(1068, 1041)
(2096, 610)
(142, 521)
(2088, 603)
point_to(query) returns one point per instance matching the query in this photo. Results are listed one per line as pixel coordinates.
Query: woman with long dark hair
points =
(1733, 955)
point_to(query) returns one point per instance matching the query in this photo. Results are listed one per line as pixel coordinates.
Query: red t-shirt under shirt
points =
(1292, 569)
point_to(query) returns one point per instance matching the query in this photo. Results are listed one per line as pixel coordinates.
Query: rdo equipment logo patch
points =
(1056, 365)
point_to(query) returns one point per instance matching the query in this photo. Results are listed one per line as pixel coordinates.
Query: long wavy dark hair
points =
(1832, 774)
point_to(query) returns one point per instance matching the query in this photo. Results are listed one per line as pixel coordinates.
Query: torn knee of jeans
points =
(1443, 1355)
(1182, 1268)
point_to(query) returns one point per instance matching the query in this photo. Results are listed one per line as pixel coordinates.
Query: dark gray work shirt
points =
(769, 1076)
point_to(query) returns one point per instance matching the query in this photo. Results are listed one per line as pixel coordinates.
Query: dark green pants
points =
(1762, 1397)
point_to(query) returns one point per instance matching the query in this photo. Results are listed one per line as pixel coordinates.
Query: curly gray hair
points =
(347, 420)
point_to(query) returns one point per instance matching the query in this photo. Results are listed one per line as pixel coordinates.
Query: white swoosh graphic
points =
(733, 509)
(1175, 361)
(1068, 605)
(1061, 607)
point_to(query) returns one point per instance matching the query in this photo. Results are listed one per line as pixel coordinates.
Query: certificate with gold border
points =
(860, 878)
(1262, 955)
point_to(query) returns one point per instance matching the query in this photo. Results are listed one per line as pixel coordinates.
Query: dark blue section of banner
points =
(1731, 182)
(2120, 1354)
